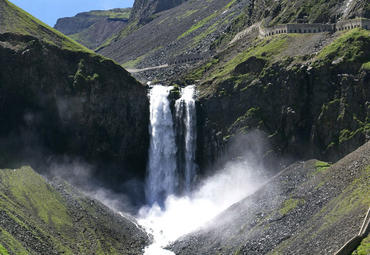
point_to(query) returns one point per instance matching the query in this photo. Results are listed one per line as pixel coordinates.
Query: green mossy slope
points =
(364, 248)
(15, 20)
(38, 218)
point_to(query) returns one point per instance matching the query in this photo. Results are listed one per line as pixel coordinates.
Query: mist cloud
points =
(239, 177)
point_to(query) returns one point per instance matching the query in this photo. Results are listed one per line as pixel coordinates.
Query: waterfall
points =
(161, 180)
(186, 130)
(171, 167)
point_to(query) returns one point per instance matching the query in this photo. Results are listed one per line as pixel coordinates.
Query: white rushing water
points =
(182, 215)
(161, 179)
(186, 112)
(172, 169)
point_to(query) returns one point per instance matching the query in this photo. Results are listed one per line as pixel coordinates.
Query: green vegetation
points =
(3, 251)
(198, 25)
(35, 215)
(313, 11)
(187, 14)
(26, 193)
(209, 30)
(321, 166)
(289, 205)
(123, 13)
(133, 63)
(11, 243)
(230, 4)
(364, 248)
(126, 31)
(354, 197)
(366, 66)
(198, 73)
(16, 20)
(88, 35)
(352, 200)
(176, 90)
(351, 46)
(264, 49)
(237, 24)
(346, 135)
(243, 123)
(46, 205)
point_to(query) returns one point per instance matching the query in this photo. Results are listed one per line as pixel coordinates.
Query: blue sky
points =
(50, 10)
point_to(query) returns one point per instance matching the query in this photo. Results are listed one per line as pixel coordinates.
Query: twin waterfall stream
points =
(175, 205)
(171, 167)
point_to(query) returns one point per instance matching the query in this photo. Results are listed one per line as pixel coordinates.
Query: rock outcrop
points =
(93, 28)
(144, 10)
(310, 99)
(71, 103)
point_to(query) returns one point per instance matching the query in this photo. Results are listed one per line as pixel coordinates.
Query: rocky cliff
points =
(93, 28)
(38, 217)
(59, 102)
(144, 11)
(308, 93)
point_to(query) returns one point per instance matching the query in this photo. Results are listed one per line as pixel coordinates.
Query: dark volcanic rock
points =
(251, 65)
(60, 102)
(308, 107)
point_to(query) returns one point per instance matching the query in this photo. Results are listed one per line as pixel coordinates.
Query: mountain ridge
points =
(95, 27)
(15, 20)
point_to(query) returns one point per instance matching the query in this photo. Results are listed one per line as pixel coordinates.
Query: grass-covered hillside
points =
(15, 20)
(41, 218)
(311, 207)
(93, 28)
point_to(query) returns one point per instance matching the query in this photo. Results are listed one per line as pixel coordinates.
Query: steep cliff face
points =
(61, 102)
(82, 21)
(143, 10)
(93, 28)
(311, 99)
